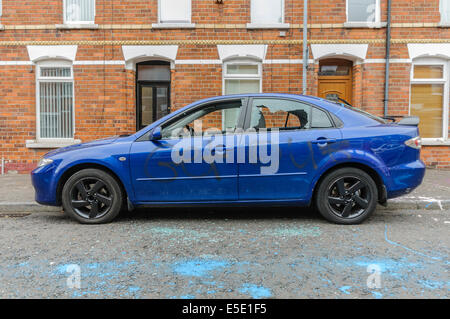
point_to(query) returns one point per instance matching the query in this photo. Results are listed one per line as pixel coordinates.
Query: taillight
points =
(415, 142)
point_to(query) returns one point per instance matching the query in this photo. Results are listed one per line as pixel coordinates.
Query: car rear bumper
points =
(405, 178)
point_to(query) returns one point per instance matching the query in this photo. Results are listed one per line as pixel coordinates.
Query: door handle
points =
(324, 140)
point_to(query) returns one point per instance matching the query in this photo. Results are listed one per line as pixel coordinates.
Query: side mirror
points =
(155, 134)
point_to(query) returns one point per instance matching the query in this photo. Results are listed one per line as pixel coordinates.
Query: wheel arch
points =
(367, 169)
(76, 168)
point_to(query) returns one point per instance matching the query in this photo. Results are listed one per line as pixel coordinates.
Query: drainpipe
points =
(3, 165)
(305, 45)
(388, 55)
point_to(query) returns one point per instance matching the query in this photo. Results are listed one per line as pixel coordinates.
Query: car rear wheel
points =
(347, 196)
(92, 196)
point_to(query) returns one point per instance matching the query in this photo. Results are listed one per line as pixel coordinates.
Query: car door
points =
(193, 159)
(292, 140)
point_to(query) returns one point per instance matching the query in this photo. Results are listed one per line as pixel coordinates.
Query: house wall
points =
(105, 88)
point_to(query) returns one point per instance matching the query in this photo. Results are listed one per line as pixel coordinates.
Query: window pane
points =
(334, 70)
(80, 10)
(267, 11)
(55, 72)
(242, 69)
(445, 10)
(175, 10)
(146, 105)
(281, 114)
(361, 10)
(320, 119)
(242, 86)
(428, 71)
(56, 107)
(153, 72)
(207, 119)
(426, 103)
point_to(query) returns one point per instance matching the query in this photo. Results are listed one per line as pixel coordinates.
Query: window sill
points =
(173, 25)
(69, 26)
(268, 26)
(51, 143)
(435, 142)
(370, 25)
(2, 27)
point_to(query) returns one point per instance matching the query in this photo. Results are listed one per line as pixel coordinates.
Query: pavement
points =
(17, 194)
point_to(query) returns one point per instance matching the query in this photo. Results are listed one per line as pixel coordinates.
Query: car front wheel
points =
(92, 196)
(347, 196)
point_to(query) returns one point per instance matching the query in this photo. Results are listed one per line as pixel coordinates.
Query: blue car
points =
(240, 150)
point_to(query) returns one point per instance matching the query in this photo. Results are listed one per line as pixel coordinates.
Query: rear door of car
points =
(292, 140)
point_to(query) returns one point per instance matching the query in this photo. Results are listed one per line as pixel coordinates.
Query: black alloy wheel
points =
(346, 196)
(92, 196)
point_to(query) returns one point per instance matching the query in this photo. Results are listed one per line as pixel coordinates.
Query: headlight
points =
(45, 161)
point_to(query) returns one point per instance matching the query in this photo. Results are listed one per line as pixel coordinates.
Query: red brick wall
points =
(105, 94)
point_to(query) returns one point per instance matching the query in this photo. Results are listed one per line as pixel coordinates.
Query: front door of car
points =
(193, 160)
(292, 140)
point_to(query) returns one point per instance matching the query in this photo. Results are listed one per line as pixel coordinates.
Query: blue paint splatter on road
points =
(377, 294)
(198, 267)
(257, 292)
(345, 289)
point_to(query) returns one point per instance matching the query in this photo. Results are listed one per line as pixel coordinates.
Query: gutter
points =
(388, 55)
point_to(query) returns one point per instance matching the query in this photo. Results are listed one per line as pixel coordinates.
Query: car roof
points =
(326, 104)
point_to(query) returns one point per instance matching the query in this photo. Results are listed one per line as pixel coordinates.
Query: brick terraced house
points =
(76, 70)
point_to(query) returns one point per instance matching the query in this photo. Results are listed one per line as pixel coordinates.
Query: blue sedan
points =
(240, 150)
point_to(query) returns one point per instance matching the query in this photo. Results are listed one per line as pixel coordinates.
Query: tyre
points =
(347, 196)
(92, 196)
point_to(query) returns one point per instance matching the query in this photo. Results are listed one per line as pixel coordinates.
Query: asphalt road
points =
(226, 253)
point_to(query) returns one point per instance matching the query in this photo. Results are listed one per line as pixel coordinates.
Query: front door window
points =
(153, 94)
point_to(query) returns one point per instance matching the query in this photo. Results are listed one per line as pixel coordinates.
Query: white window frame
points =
(256, 24)
(226, 76)
(443, 6)
(40, 79)
(174, 22)
(377, 15)
(78, 22)
(1, 8)
(445, 102)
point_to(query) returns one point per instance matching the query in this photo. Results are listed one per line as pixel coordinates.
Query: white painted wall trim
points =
(16, 63)
(52, 52)
(423, 50)
(228, 52)
(138, 53)
(353, 52)
(99, 62)
(193, 62)
(408, 61)
(203, 62)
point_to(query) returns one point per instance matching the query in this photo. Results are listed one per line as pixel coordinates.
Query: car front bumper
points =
(44, 183)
